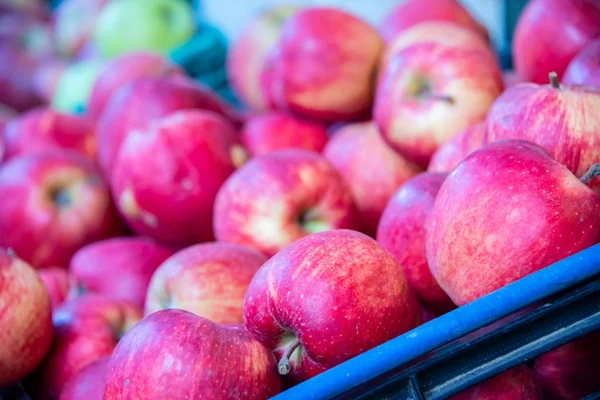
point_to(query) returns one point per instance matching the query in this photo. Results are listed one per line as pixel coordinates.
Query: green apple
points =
(148, 25)
(75, 86)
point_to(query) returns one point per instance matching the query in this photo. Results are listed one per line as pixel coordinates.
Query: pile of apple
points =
(156, 243)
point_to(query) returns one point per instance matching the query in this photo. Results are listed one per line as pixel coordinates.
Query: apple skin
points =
(44, 129)
(26, 319)
(450, 154)
(75, 21)
(565, 121)
(85, 330)
(208, 279)
(16, 70)
(546, 215)
(569, 372)
(371, 168)
(136, 105)
(273, 131)
(46, 77)
(584, 69)
(518, 383)
(166, 177)
(118, 268)
(51, 205)
(123, 70)
(280, 197)
(152, 25)
(88, 383)
(177, 355)
(536, 50)
(247, 55)
(411, 119)
(308, 291)
(59, 283)
(414, 12)
(315, 73)
(402, 231)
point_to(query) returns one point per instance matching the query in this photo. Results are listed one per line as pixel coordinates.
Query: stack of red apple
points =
(163, 245)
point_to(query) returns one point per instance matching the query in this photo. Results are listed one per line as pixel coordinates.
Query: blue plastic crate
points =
(472, 343)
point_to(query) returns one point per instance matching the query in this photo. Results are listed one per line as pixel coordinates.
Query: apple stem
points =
(593, 172)
(554, 80)
(284, 366)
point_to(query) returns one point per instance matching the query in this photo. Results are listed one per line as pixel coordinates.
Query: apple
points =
(86, 329)
(584, 69)
(177, 355)
(450, 154)
(152, 25)
(88, 383)
(51, 204)
(59, 283)
(74, 87)
(75, 21)
(16, 71)
(371, 168)
(46, 76)
(508, 210)
(414, 12)
(569, 371)
(44, 129)
(402, 231)
(123, 70)
(166, 177)
(36, 8)
(208, 279)
(323, 66)
(565, 120)
(118, 268)
(25, 319)
(431, 91)
(536, 50)
(303, 303)
(273, 131)
(247, 55)
(518, 383)
(511, 78)
(136, 105)
(280, 197)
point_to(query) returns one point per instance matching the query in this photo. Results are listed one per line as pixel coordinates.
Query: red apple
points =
(518, 383)
(136, 105)
(25, 319)
(312, 303)
(507, 198)
(44, 129)
(177, 355)
(46, 77)
(16, 71)
(402, 231)
(75, 21)
(450, 154)
(88, 383)
(413, 12)
(550, 33)
(208, 279)
(565, 120)
(584, 69)
(430, 91)
(118, 268)
(570, 372)
(59, 283)
(275, 131)
(166, 177)
(51, 205)
(123, 70)
(324, 66)
(371, 168)
(247, 55)
(280, 197)
(85, 329)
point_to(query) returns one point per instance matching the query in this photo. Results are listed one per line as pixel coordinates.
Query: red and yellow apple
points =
(451, 153)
